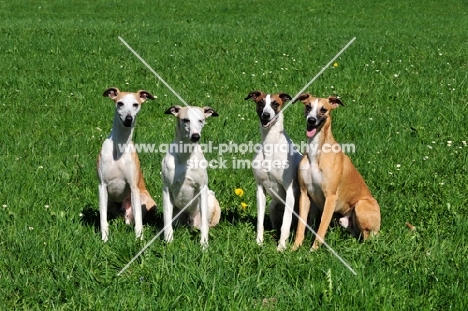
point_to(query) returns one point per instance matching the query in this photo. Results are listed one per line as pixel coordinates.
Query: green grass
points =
(404, 83)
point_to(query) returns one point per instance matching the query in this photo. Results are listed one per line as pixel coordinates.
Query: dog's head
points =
(190, 120)
(127, 105)
(317, 111)
(268, 106)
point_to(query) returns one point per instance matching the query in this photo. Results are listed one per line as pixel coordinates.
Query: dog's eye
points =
(261, 103)
(186, 120)
(200, 121)
(323, 110)
(308, 108)
(274, 105)
(120, 104)
(135, 105)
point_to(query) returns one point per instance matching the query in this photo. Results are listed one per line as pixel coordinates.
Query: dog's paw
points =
(281, 247)
(138, 233)
(169, 236)
(204, 244)
(296, 246)
(105, 235)
(315, 246)
(344, 222)
(259, 241)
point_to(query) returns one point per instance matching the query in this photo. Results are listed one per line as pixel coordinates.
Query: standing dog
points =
(275, 166)
(185, 179)
(328, 178)
(118, 166)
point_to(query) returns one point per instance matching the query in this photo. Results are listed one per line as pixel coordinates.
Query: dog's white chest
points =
(184, 181)
(116, 173)
(315, 173)
(312, 176)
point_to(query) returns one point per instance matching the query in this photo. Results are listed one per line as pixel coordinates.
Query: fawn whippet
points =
(329, 181)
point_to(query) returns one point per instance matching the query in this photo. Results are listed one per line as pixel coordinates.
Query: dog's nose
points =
(195, 137)
(311, 121)
(128, 121)
(265, 115)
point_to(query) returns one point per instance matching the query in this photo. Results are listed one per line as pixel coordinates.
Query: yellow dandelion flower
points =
(335, 65)
(239, 192)
(244, 205)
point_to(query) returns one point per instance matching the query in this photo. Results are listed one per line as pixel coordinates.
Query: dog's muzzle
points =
(128, 121)
(311, 121)
(265, 120)
(195, 138)
(311, 127)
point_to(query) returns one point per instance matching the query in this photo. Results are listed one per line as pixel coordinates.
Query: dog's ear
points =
(335, 101)
(173, 110)
(209, 112)
(144, 95)
(254, 95)
(284, 97)
(111, 92)
(301, 97)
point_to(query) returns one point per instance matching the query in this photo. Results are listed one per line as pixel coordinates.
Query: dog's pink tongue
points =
(311, 133)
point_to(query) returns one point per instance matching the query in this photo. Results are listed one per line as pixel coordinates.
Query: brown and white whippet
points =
(118, 166)
(275, 166)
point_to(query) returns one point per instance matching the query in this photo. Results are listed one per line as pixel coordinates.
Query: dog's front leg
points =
(168, 210)
(304, 207)
(287, 219)
(204, 217)
(103, 200)
(137, 214)
(328, 210)
(261, 202)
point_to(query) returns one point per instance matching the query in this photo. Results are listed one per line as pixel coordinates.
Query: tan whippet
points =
(328, 179)
(118, 166)
(184, 175)
(275, 166)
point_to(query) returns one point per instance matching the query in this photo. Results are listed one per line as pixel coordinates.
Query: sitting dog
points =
(328, 179)
(275, 166)
(184, 175)
(118, 166)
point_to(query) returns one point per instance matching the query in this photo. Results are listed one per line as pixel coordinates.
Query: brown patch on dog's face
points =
(127, 104)
(317, 111)
(268, 106)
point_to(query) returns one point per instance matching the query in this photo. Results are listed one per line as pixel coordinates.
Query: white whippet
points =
(275, 166)
(184, 175)
(118, 166)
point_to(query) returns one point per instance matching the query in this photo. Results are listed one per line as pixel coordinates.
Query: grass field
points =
(404, 83)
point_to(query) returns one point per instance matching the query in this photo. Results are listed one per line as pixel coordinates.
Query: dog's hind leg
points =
(366, 218)
(214, 211)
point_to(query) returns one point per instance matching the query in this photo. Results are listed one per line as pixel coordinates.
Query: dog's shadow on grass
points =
(235, 218)
(154, 218)
(90, 217)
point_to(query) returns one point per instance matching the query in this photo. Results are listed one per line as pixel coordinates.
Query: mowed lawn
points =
(404, 85)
